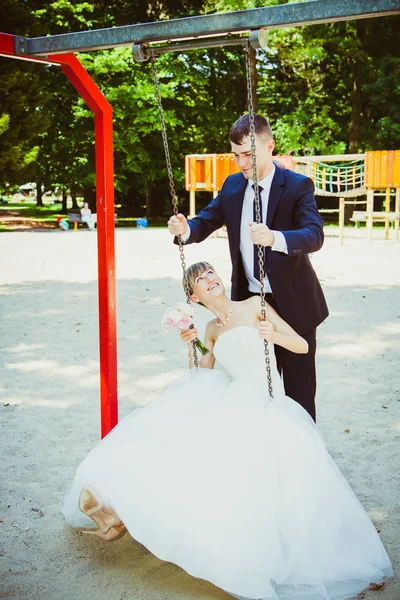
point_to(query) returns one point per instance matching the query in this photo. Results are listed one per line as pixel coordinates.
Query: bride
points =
(231, 485)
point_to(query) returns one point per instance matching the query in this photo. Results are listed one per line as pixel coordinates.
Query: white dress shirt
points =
(246, 245)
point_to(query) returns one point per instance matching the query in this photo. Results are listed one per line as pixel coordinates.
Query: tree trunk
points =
(39, 194)
(213, 87)
(356, 100)
(74, 201)
(355, 115)
(149, 203)
(155, 199)
(64, 206)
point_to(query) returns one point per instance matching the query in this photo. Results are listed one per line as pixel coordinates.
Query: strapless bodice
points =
(241, 352)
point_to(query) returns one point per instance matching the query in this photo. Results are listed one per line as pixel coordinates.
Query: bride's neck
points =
(220, 307)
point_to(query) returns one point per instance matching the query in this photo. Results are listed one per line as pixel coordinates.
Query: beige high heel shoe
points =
(110, 526)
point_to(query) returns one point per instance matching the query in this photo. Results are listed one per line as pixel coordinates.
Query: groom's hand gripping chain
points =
(261, 235)
(177, 225)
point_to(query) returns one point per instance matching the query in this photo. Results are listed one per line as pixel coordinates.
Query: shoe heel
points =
(89, 503)
(113, 533)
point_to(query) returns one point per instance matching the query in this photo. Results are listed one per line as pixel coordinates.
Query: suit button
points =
(296, 251)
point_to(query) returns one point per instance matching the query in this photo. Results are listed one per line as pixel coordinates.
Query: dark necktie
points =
(256, 267)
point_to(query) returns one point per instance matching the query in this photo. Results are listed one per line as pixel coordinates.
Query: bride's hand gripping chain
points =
(189, 336)
(276, 331)
(266, 330)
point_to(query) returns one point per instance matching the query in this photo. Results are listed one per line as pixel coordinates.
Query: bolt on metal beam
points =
(269, 17)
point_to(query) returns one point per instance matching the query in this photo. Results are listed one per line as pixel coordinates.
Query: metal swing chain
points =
(260, 249)
(172, 190)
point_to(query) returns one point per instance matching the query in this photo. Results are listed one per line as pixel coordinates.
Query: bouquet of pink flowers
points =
(180, 316)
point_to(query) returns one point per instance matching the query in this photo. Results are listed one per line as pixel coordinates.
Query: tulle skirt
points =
(236, 489)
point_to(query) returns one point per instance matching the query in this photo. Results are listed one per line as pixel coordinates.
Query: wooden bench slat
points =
(376, 216)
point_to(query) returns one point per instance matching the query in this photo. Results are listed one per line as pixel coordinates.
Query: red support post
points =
(88, 90)
(86, 87)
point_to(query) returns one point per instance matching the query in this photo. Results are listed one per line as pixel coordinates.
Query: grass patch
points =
(29, 210)
(45, 216)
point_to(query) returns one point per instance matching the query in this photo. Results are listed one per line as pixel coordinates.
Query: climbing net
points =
(344, 178)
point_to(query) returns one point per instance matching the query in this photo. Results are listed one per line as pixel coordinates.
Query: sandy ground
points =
(49, 389)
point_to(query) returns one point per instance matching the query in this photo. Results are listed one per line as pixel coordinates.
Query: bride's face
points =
(207, 286)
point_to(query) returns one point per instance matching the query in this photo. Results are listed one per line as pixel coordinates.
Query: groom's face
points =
(243, 156)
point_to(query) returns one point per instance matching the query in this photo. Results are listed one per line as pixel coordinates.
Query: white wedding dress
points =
(234, 487)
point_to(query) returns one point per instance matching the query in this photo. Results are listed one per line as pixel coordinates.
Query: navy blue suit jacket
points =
(292, 209)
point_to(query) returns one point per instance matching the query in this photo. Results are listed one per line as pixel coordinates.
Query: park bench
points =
(76, 218)
(378, 216)
(220, 233)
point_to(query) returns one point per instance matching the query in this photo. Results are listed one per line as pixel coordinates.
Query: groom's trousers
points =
(298, 371)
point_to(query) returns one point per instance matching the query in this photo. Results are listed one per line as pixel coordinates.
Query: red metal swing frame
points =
(103, 132)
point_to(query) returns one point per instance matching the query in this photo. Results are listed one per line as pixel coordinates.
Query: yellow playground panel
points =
(346, 176)
(382, 175)
(382, 169)
(206, 173)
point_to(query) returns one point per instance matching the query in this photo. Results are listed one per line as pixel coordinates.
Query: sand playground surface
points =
(49, 396)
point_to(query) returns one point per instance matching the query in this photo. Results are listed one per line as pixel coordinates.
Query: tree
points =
(319, 85)
(326, 89)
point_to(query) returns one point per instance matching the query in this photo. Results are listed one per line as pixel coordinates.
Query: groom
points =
(291, 228)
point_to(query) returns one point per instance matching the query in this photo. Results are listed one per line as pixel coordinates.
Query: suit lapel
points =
(237, 205)
(275, 193)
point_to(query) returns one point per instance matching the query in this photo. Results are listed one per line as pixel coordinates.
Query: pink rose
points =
(185, 322)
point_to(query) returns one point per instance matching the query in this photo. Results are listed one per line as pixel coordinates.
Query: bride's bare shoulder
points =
(254, 302)
(211, 329)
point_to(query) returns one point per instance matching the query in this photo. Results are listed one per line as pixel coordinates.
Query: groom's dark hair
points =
(241, 128)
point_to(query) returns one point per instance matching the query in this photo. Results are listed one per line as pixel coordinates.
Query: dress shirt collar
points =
(266, 181)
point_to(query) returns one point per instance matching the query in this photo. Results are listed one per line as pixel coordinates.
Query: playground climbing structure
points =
(355, 179)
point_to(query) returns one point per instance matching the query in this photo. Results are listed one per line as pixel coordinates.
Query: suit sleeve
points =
(206, 222)
(307, 234)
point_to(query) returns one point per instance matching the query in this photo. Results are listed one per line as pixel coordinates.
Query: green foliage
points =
(330, 88)
(67, 15)
(4, 123)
